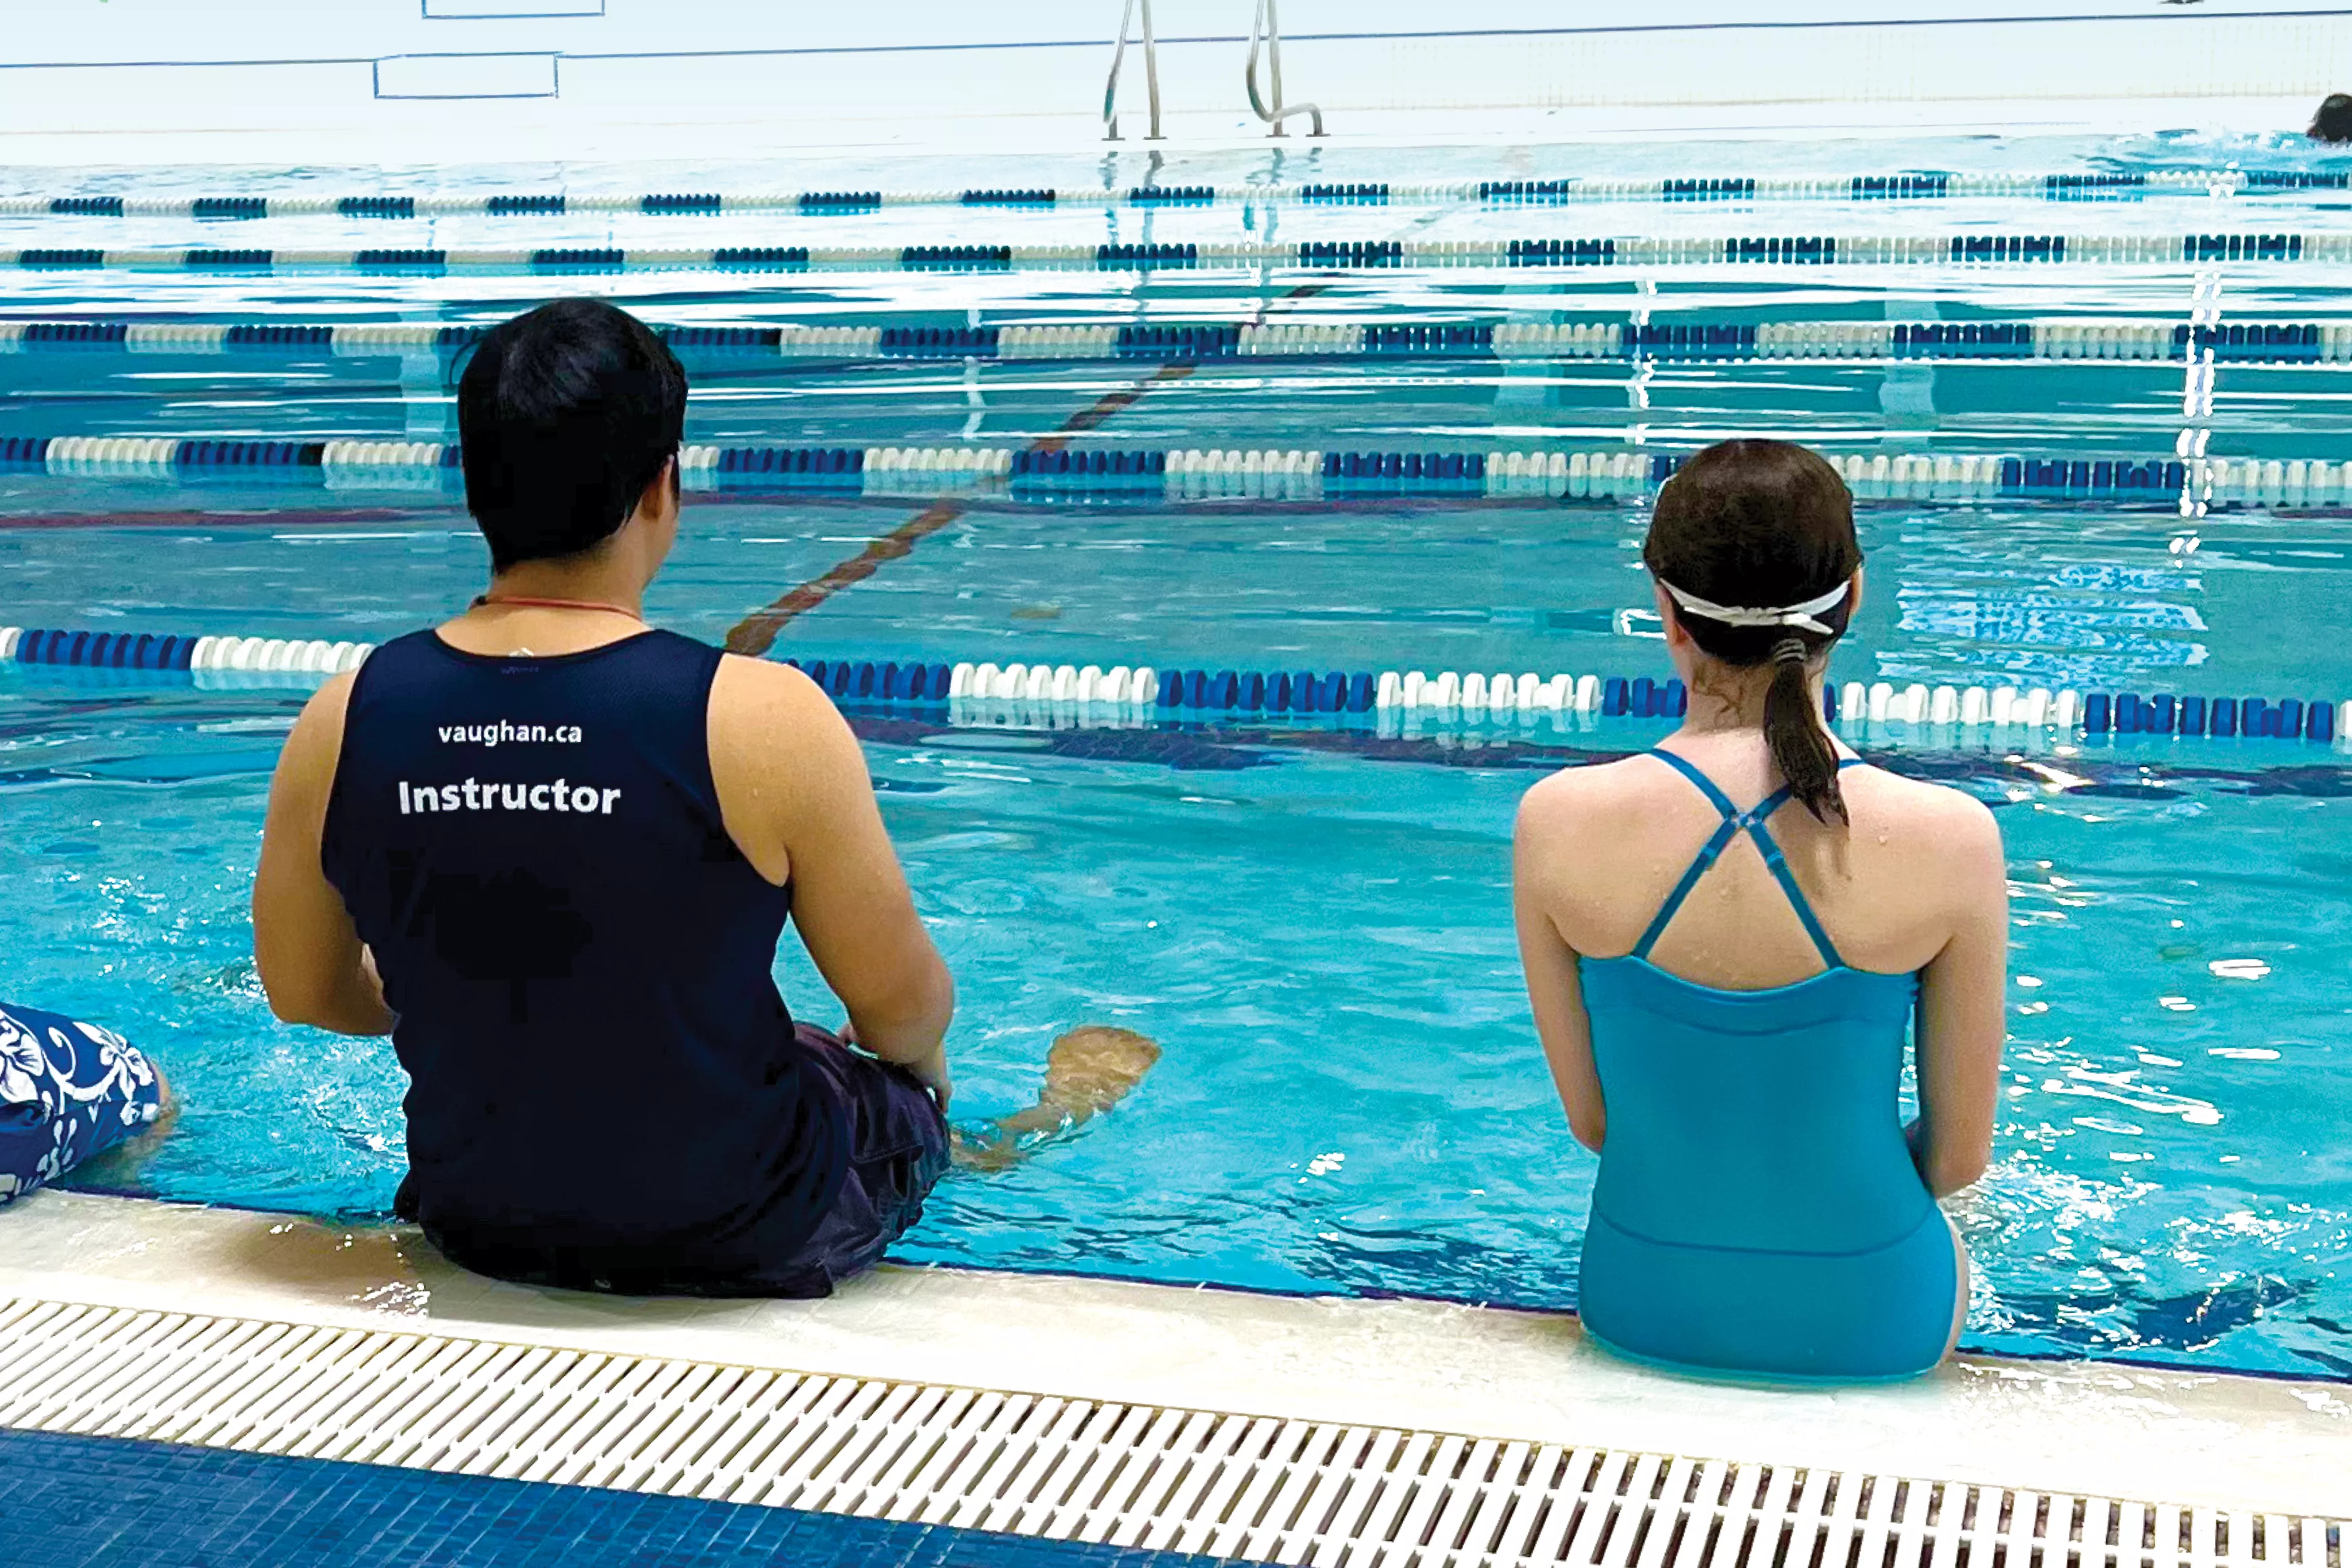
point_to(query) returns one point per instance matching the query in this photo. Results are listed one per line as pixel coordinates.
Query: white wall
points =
(168, 79)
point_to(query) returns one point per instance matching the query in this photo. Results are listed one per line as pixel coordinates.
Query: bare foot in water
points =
(167, 1117)
(126, 1163)
(1088, 1071)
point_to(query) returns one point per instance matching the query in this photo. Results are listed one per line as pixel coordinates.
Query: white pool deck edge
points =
(2232, 1443)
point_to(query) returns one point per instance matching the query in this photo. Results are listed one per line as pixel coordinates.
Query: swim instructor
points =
(551, 851)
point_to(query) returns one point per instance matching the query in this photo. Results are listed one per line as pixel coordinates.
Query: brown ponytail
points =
(1754, 524)
(1792, 732)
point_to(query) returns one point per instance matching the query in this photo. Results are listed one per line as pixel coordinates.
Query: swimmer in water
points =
(1730, 941)
(550, 850)
(2333, 123)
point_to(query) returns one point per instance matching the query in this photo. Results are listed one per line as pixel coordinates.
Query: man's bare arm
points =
(310, 960)
(800, 804)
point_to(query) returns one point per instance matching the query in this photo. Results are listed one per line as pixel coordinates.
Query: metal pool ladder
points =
(1266, 29)
(1151, 72)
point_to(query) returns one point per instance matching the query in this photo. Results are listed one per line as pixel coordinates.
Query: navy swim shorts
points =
(895, 1150)
(898, 1150)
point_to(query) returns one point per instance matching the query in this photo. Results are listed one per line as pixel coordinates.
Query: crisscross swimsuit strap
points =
(1734, 822)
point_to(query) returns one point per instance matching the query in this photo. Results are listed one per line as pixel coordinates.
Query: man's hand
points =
(933, 1073)
(374, 977)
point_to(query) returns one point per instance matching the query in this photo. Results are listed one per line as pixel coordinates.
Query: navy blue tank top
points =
(603, 1085)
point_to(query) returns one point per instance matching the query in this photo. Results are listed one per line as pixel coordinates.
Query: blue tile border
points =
(106, 1502)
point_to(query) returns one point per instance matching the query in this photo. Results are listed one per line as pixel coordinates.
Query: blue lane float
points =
(1907, 185)
(310, 658)
(2167, 250)
(106, 650)
(1142, 693)
(2164, 714)
(2118, 339)
(1080, 472)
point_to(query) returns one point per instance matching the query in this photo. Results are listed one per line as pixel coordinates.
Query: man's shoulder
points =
(764, 680)
(766, 708)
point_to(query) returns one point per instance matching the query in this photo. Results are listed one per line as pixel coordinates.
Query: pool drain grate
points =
(1255, 1487)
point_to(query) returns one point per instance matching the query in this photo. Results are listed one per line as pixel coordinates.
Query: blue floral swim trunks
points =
(67, 1091)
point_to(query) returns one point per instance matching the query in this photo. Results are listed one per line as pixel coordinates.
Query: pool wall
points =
(124, 80)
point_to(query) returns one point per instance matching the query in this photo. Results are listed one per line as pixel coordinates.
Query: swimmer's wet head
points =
(2334, 120)
(1759, 571)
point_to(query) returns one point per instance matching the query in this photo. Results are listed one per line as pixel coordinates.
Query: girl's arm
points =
(1553, 988)
(1963, 997)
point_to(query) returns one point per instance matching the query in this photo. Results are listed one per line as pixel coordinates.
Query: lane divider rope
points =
(1913, 185)
(1970, 248)
(165, 652)
(2026, 341)
(1054, 468)
(982, 691)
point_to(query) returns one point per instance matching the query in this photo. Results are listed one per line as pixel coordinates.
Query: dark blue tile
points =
(98, 1502)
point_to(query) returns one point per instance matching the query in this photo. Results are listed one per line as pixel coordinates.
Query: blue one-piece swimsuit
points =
(1758, 1213)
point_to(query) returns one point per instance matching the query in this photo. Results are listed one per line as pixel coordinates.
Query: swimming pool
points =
(1310, 912)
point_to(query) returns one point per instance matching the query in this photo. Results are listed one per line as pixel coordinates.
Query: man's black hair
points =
(2334, 120)
(567, 415)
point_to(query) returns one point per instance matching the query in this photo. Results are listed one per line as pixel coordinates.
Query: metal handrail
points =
(1150, 73)
(1264, 22)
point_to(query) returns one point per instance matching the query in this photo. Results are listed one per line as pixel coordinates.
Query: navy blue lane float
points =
(106, 650)
(2287, 718)
(2118, 341)
(1149, 473)
(1178, 691)
(1908, 185)
(1796, 249)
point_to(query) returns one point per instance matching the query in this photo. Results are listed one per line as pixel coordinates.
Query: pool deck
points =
(2215, 1441)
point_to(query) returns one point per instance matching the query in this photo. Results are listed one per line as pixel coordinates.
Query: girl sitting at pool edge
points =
(1726, 940)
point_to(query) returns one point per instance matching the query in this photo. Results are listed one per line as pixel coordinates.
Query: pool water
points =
(1313, 919)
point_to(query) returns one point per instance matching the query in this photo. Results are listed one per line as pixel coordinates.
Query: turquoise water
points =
(1313, 921)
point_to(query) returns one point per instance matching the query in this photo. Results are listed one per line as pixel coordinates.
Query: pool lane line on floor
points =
(755, 633)
(758, 633)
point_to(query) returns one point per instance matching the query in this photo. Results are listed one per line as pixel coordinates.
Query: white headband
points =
(1788, 616)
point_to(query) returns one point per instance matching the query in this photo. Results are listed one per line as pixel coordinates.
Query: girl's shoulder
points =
(1590, 790)
(1922, 821)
